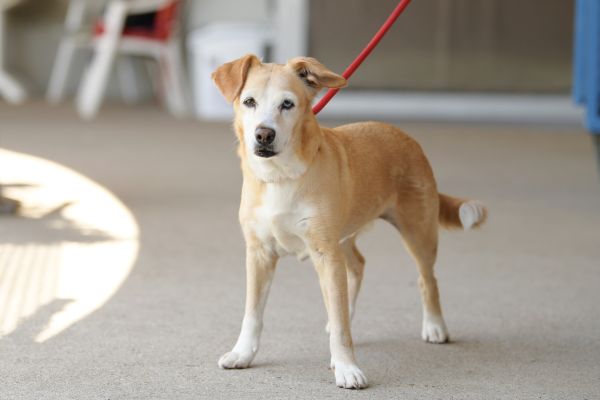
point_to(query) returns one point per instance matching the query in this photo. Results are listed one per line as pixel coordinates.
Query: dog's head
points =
(272, 104)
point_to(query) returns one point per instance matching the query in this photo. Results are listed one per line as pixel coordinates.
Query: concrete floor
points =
(521, 296)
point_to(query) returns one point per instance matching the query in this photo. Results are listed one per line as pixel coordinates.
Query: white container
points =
(213, 45)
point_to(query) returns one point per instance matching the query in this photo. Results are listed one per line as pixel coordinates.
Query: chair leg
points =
(10, 89)
(172, 73)
(93, 85)
(95, 79)
(128, 79)
(60, 71)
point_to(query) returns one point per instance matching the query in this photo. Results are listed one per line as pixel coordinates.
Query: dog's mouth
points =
(264, 152)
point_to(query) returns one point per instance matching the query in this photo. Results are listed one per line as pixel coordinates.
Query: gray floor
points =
(521, 296)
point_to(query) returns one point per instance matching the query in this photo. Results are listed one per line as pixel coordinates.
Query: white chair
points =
(77, 35)
(162, 44)
(10, 88)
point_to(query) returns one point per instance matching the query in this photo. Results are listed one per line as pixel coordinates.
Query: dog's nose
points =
(264, 136)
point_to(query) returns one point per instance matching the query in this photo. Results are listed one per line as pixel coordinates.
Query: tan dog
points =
(309, 190)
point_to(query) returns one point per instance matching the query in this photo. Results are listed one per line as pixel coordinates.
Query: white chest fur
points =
(282, 219)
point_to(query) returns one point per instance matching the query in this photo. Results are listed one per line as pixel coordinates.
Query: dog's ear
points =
(314, 74)
(230, 77)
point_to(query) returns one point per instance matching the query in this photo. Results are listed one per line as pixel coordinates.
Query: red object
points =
(364, 54)
(163, 25)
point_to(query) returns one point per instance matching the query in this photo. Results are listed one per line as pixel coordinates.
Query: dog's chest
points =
(281, 220)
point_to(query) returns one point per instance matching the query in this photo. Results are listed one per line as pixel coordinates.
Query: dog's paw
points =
(235, 360)
(434, 329)
(349, 376)
(327, 329)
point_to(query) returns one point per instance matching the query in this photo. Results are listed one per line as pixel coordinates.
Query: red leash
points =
(364, 54)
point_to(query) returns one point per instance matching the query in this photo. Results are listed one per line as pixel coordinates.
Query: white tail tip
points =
(471, 213)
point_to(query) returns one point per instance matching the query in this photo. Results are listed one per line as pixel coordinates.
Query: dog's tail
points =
(460, 213)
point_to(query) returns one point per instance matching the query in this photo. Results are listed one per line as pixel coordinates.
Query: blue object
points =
(586, 70)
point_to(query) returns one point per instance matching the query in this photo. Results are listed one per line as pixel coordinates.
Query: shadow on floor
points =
(50, 228)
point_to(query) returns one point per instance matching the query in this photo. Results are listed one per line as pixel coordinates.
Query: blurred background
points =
(121, 258)
(461, 46)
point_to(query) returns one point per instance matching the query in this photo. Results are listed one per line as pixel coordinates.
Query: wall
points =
(32, 34)
(481, 45)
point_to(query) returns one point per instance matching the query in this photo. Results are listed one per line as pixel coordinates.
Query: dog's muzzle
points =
(264, 151)
(264, 142)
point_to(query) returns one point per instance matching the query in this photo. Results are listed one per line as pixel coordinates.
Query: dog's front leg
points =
(260, 267)
(330, 266)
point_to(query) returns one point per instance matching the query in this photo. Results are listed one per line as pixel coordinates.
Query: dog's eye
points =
(287, 104)
(250, 102)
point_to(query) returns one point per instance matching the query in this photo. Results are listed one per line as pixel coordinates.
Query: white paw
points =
(236, 360)
(434, 329)
(349, 376)
(327, 327)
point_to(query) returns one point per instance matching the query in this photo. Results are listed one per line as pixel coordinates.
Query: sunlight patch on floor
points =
(68, 251)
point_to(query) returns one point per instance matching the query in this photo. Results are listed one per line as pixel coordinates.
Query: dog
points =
(309, 191)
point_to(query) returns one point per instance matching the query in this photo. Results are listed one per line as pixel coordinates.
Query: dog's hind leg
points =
(355, 265)
(417, 221)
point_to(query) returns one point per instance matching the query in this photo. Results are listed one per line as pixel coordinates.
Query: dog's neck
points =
(290, 164)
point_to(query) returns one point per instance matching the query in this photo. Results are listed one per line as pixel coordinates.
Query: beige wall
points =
(498, 45)
(33, 30)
